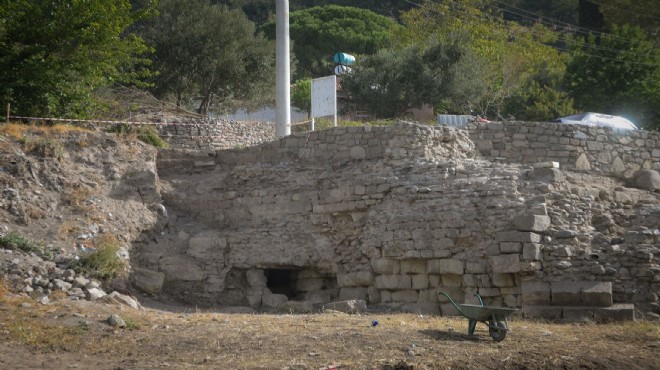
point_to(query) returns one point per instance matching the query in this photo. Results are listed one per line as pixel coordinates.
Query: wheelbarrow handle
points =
(454, 304)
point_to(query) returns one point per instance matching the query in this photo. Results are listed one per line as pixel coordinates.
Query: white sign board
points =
(324, 98)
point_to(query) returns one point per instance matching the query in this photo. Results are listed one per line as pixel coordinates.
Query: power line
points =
(644, 15)
(552, 46)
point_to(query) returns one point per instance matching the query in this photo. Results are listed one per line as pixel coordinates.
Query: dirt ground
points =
(68, 334)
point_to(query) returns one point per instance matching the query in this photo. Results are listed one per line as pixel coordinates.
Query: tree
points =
(318, 33)
(395, 80)
(618, 73)
(55, 54)
(208, 51)
(642, 13)
(301, 95)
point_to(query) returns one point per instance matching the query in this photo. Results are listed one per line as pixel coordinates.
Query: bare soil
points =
(66, 334)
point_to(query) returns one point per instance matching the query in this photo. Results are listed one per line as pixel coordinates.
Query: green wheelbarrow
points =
(493, 316)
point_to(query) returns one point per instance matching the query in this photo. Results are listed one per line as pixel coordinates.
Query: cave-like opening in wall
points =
(282, 281)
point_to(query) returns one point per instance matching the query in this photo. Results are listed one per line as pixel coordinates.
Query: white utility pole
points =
(283, 67)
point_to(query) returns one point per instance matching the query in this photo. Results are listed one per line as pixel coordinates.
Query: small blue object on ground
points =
(374, 323)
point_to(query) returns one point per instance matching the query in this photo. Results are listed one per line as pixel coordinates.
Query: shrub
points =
(103, 264)
(17, 242)
(145, 134)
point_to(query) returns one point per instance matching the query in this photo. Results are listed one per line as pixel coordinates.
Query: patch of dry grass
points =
(20, 130)
(78, 198)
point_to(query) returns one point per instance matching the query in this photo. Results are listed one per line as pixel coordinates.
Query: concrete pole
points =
(283, 66)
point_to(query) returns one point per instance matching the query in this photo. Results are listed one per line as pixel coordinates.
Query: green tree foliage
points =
(301, 95)
(507, 54)
(395, 80)
(618, 73)
(208, 51)
(318, 33)
(642, 13)
(55, 54)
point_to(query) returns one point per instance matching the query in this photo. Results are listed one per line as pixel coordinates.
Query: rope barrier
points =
(136, 123)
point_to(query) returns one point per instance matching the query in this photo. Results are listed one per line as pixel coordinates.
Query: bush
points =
(145, 134)
(103, 264)
(16, 242)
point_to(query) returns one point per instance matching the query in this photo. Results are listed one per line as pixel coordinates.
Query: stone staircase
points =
(573, 301)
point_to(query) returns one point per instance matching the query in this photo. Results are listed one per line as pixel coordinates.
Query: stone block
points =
(457, 294)
(273, 300)
(355, 279)
(420, 281)
(410, 296)
(350, 306)
(618, 312)
(297, 307)
(256, 277)
(510, 247)
(518, 236)
(446, 266)
(448, 309)
(531, 252)
(374, 295)
(179, 268)
(416, 266)
(542, 312)
(531, 222)
(204, 247)
(535, 293)
(451, 280)
(469, 281)
(148, 281)
(308, 274)
(434, 281)
(483, 281)
(596, 294)
(503, 280)
(489, 292)
(506, 263)
(309, 285)
(319, 296)
(385, 266)
(393, 282)
(577, 313)
(566, 293)
(346, 294)
(475, 267)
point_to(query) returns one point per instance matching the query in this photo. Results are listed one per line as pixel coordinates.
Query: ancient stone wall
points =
(394, 215)
(216, 134)
(602, 150)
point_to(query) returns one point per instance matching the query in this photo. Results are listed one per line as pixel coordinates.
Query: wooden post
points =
(8, 110)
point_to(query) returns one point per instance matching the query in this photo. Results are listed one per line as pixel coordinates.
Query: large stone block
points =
(475, 267)
(416, 266)
(510, 247)
(350, 306)
(531, 222)
(148, 281)
(393, 282)
(456, 294)
(577, 313)
(355, 279)
(451, 280)
(319, 296)
(179, 268)
(518, 236)
(446, 266)
(506, 263)
(420, 281)
(618, 312)
(427, 308)
(542, 312)
(503, 280)
(535, 293)
(256, 278)
(385, 266)
(273, 300)
(531, 252)
(410, 296)
(566, 293)
(346, 294)
(206, 246)
(596, 294)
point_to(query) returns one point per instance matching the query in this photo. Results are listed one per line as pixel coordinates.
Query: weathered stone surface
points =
(385, 266)
(360, 293)
(618, 312)
(503, 280)
(417, 266)
(180, 268)
(518, 236)
(120, 299)
(542, 312)
(535, 293)
(531, 252)
(646, 179)
(405, 296)
(355, 279)
(452, 280)
(507, 263)
(531, 222)
(309, 285)
(256, 277)
(273, 300)
(446, 266)
(393, 282)
(426, 308)
(596, 294)
(577, 313)
(420, 281)
(206, 246)
(548, 175)
(510, 247)
(297, 307)
(350, 306)
(566, 293)
(148, 281)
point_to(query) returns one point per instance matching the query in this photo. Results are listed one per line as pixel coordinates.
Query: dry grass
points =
(66, 229)
(78, 198)
(19, 130)
(157, 339)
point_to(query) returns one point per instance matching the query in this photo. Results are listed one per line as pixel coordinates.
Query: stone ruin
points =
(538, 216)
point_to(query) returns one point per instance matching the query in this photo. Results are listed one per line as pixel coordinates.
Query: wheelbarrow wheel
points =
(497, 330)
